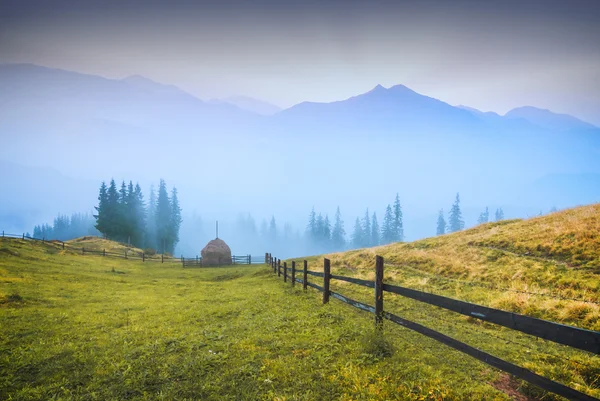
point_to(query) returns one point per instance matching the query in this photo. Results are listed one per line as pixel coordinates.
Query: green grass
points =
(93, 328)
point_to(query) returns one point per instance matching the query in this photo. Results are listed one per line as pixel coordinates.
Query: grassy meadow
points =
(93, 328)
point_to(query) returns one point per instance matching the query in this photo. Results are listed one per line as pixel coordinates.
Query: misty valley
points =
(308, 201)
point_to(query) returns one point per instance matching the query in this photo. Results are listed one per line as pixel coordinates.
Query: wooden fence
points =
(135, 255)
(574, 337)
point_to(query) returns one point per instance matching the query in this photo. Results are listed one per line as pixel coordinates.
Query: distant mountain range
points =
(240, 154)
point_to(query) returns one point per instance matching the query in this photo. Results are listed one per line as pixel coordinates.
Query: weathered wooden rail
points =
(574, 337)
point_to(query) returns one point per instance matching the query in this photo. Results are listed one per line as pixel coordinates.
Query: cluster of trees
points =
(122, 215)
(455, 220)
(367, 232)
(65, 228)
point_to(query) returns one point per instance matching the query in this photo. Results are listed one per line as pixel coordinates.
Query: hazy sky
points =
(493, 55)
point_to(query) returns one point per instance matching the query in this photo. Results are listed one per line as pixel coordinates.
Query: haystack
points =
(216, 253)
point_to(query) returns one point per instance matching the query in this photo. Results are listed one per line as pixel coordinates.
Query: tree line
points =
(123, 216)
(65, 228)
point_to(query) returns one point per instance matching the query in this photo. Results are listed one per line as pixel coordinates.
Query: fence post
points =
(3, 234)
(285, 272)
(83, 250)
(278, 267)
(266, 255)
(293, 273)
(143, 257)
(249, 259)
(125, 253)
(104, 252)
(182, 262)
(23, 234)
(305, 276)
(162, 258)
(63, 245)
(378, 292)
(326, 279)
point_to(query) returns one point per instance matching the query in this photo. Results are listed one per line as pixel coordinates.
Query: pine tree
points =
(319, 228)
(175, 221)
(357, 235)
(338, 235)
(375, 234)
(366, 222)
(311, 229)
(326, 230)
(163, 218)
(441, 223)
(139, 216)
(455, 220)
(484, 216)
(112, 212)
(151, 221)
(499, 214)
(387, 229)
(398, 224)
(101, 222)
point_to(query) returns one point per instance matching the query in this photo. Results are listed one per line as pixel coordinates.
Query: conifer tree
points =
(311, 229)
(163, 218)
(499, 214)
(366, 229)
(455, 221)
(441, 223)
(326, 230)
(398, 224)
(273, 230)
(101, 222)
(357, 235)
(175, 221)
(139, 216)
(338, 235)
(375, 235)
(150, 239)
(484, 216)
(112, 212)
(387, 229)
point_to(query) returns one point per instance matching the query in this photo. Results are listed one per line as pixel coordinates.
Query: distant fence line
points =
(135, 255)
(574, 337)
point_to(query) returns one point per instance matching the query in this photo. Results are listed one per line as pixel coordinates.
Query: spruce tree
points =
(273, 230)
(484, 216)
(311, 229)
(398, 224)
(112, 212)
(163, 218)
(455, 221)
(100, 216)
(499, 214)
(326, 233)
(375, 234)
(387, 229)
(338, 235)
(150, 240)
(175, 221)
(366, 230)
(357, 235)
(139, 217)
(441, 223)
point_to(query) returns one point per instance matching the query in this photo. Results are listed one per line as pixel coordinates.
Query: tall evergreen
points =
(113, 214)
(357, 235)
(338, 235)
(101, 220)
(455, 221)
(175, 221)
(499, 214)
(326, 231)
(273, 230)
(150, 240)
(311, 229)
(366, 229)
(441, 223)
(375, 234)
(387, 229)
(398, 223)
(163, 218)
(484, 217)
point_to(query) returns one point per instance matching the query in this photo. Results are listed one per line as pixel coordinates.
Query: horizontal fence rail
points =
(574, 337)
